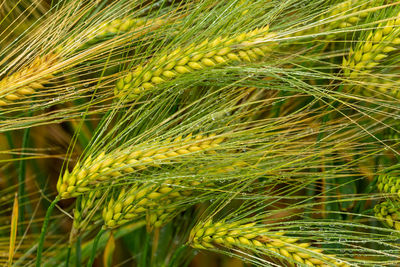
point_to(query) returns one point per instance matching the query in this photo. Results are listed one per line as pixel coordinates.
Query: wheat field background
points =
(199, 133)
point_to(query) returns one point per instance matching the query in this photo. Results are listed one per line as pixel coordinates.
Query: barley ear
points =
(378, 45)
(389, 213)
(256, 238)
(27, 81)
(106, 166)
(246, 47)
(388, 183)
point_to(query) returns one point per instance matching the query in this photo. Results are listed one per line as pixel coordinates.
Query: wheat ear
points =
(105, 30)
(105, 166)
(388, 183)
(147, 199)
(28, 80)
(157, 201)
(86, 212)
(377, 46)
(376, 85)
(33, 77)
(346, 21)
(195, 57)
(248, 237)
(389, 213)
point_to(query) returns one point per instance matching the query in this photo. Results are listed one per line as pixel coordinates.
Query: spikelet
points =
(389, 213)
(388, 183)
(195, 57)
(154, 201)
(251, 237)
(106, 166)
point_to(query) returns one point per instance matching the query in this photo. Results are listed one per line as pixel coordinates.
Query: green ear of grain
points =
(107, 166)
(246, 47)
(362, 61)
(338, 18)
(389, 183)
(106, 30)
(150, 200)
(389, 213)
(378, 44)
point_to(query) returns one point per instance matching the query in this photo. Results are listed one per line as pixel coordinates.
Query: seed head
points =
(377, 46)
(389, 213)
(27, 81)
(106, 166)
(246, 47)
(256, 238)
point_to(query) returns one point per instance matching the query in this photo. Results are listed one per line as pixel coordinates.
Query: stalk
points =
(94, 248)
(21, 181)
(44, 230)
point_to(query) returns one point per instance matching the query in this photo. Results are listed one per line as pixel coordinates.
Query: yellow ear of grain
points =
(246, 47)
(258, 239)
(107, 166)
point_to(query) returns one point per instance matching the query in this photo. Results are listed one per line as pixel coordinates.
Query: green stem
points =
(145, 250)
(156, 238)
(94, 249)
(11, 145)
(44, 229)
(68, 256)
(78, 259)
(176, 255)
(21, 182)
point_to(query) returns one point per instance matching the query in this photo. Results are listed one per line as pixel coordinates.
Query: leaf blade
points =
(13, 232)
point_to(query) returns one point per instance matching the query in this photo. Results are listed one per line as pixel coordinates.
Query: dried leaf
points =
(109, 251)
(13, 234)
